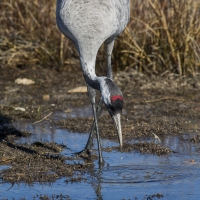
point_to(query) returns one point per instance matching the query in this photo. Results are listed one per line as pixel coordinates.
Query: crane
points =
(89, 24)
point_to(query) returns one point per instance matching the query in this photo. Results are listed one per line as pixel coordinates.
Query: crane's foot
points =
(101, 163)
(85, 153)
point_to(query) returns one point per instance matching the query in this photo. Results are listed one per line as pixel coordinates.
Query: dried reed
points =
(163, 35)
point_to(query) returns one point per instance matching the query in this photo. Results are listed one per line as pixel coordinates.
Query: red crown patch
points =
(114, 98)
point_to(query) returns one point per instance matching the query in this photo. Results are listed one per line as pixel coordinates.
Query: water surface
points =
(125, 175)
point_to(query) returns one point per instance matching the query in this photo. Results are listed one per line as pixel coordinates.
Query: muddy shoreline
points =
(154, 106)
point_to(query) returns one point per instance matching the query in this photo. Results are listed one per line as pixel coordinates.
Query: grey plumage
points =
(94, 20)
(89, 23)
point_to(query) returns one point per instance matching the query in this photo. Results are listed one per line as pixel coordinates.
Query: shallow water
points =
(85, 111)
(124, 176)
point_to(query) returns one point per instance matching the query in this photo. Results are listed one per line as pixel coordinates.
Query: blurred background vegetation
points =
(162, 36)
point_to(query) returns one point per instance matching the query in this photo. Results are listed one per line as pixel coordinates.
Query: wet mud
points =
(155, 108)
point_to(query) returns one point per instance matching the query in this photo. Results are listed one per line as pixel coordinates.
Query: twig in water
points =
(161, 99)
(156, 138)
(43, 118)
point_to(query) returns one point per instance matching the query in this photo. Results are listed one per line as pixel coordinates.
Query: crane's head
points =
(113, 100)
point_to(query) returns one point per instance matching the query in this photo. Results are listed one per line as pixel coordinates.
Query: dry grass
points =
(163, 35)
(29, 35)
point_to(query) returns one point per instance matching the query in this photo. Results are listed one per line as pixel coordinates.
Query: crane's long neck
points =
(106, 85)
(88, 68)
(89, 74)
(88, 53)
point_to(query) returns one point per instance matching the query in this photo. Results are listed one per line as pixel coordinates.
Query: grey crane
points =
(89, 24)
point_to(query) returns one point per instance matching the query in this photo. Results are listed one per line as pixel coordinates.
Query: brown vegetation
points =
(163, 35)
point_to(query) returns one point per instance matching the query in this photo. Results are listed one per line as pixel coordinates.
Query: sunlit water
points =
(124, 176)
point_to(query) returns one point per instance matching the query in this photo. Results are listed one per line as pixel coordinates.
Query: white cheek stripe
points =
(105, 91)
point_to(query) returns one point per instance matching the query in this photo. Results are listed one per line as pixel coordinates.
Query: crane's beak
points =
(117, 122)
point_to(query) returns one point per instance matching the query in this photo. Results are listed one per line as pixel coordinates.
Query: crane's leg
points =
(92, 94)
(88, 146)
(109, 49)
